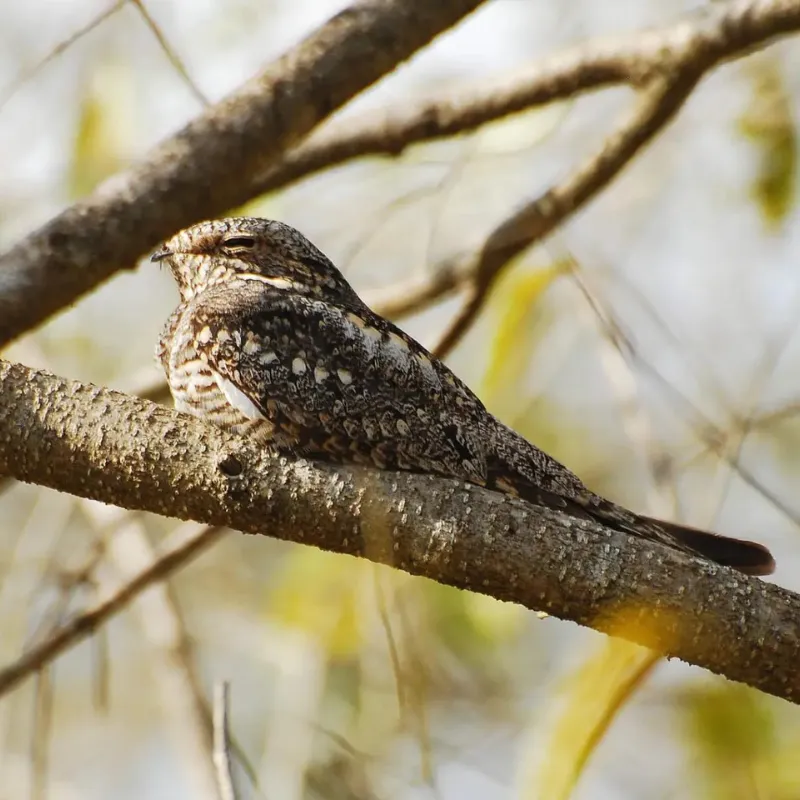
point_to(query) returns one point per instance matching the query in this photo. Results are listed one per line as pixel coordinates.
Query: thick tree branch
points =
(202, 170)
(635, 59)
(122, 450)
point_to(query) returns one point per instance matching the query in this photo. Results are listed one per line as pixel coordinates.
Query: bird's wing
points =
(338, 383)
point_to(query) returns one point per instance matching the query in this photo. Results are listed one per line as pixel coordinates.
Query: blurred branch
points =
(86, 623)
(200, 171)
(222, 754)
(186, 714)
(41, 734)
(776, 416)
(125, 451)
(635, 59)
(665, 64)
(169, 52)
(391, 132)
(414, 297)
(60, 48)
(534, 221)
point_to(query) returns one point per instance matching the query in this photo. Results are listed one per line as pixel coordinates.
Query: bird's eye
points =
(239, 242)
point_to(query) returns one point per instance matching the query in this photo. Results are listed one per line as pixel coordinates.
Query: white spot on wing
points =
(320, 374)
(237, 398)
(369, 336)
(345, 376)
(298, 366)
(268, 357)
(396, 349)
(276, 283)
(204, 336)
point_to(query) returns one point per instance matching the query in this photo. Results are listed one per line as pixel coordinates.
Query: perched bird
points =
(270, 341)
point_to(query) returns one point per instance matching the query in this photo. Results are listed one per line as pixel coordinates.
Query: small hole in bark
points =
(57, 240)
(230, 466)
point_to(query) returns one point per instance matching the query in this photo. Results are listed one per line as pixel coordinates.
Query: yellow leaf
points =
(105, 128)
(514, 300)
(319, 593)
(523, 130)
(265, 205)
(594, 696)
(768, 123)
(494, 620)
(732, 741)
(470, 625)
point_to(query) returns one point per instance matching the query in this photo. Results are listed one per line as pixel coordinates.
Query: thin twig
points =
(714, 439)
(657, 105)
(169, 52)
(127, 549)
(88, 621)
(41, 733)
(391, 643)
(222, 754)
(27, 74)
(614, 353)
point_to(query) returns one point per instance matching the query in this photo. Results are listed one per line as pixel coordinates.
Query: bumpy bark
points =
(122, 450)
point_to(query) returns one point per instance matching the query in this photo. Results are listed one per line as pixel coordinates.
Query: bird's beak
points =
(161, 253)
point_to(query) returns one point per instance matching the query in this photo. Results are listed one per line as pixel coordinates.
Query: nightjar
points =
(270, 341)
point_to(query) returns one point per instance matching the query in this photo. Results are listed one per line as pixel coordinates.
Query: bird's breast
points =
(198, 391)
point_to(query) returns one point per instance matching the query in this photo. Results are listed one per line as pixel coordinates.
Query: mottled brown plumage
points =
(270, 341)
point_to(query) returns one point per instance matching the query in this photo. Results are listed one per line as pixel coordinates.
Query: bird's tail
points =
(748, 557)
(522, 469)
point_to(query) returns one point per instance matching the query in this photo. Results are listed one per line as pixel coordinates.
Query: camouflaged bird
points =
(270, 341)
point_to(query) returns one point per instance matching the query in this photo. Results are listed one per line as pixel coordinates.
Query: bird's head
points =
(250, 249)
